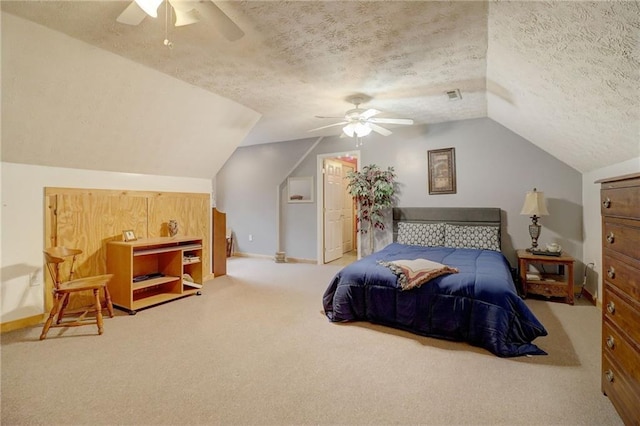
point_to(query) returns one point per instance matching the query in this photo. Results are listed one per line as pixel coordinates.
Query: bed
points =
(471, 297)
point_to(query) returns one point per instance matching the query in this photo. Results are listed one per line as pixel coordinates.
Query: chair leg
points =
(96, 294)
(65, 302)
(54, 310)
(107, 300)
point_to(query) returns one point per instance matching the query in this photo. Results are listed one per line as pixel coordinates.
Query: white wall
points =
(592, 220)
(66, 103)
(22, 218)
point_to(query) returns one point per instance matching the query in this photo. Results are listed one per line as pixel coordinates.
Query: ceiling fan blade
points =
(378, 129)
(185, 18)
(391, 120)
(132, 15)
(219, 19)
(185, 12)
(369, 113)
(325, 116)
(330, 125)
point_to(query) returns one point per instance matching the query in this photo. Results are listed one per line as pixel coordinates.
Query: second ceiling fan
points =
(359, 122)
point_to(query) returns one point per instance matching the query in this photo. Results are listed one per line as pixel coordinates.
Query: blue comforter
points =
(478, 305)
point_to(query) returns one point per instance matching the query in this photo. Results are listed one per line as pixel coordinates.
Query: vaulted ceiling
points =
(563, 75)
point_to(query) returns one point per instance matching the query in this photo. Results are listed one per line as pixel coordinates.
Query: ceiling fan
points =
(187, 12)
(359, 122)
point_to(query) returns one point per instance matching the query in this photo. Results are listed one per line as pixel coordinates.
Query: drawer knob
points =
(609, 375)
(611, 307)
(611, 273)
(611, 238)
(611, 343)
(606, 203)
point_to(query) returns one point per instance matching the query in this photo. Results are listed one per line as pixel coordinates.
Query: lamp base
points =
(534, 232)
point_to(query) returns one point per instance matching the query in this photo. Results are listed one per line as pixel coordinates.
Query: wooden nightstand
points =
(547, 284)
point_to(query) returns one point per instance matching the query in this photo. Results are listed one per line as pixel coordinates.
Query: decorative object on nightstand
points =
(534, 206)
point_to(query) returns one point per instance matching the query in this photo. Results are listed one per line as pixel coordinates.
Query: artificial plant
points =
(373, 189)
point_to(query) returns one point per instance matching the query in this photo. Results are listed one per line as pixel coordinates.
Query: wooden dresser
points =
(620, 206)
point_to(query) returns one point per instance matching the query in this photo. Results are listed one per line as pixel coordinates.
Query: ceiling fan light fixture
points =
(356, 129)
(150, 7)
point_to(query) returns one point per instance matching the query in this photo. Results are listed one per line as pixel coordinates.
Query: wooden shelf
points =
(152, 282)
(155, 299)
(165, 256)
(549, 279)
(166, 249)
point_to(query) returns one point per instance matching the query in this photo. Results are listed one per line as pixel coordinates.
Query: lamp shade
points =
(534, 204)
(150, 7)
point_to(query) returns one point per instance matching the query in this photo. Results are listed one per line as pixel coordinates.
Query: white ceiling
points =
(564, 75)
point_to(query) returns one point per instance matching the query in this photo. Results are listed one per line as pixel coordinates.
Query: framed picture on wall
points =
(129, 235)
(442, 171)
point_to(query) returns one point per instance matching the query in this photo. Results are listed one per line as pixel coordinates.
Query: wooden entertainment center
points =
(150, 271)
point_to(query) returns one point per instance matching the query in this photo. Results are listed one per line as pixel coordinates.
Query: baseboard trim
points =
(257, 256)
(21, 323)
(266, 256)
(301, 260)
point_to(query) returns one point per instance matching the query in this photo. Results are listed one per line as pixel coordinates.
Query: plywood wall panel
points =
(191, 211)
(89, 221)
(89, 218)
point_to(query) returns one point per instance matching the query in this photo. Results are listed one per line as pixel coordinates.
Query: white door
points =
(333, 199)
(347, 212)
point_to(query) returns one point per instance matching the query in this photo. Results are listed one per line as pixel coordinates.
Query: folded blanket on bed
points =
(413, 273)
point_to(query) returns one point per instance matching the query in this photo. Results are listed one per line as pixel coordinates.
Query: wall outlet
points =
(250, 237)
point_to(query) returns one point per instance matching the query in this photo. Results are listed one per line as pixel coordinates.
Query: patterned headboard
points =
(475, 216)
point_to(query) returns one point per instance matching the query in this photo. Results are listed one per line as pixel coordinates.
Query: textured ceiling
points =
(564, 75)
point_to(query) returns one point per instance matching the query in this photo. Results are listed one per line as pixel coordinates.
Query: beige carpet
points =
(255, 349)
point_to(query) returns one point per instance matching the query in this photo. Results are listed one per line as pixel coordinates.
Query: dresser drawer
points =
(623, 276)
(616, 386)
(621, 237)
(621, 313)
(627, 355)
(621, 199)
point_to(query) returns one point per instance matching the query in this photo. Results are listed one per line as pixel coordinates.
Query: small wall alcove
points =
(300, 189)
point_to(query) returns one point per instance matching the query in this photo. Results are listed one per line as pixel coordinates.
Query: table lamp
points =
(534, 206)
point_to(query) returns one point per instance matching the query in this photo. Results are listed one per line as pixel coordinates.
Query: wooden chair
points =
(55, 258)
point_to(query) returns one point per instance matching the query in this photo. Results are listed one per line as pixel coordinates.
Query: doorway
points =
(337, 235)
